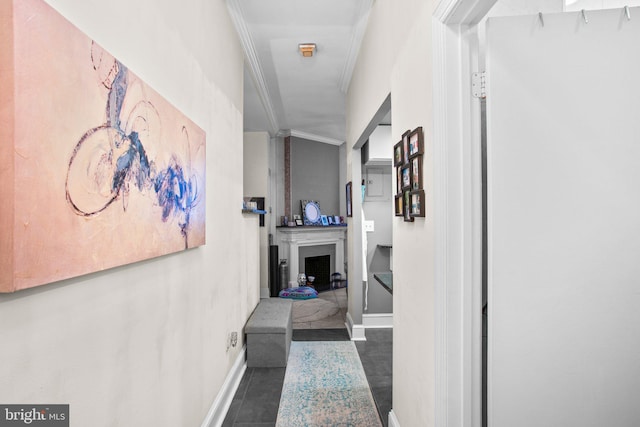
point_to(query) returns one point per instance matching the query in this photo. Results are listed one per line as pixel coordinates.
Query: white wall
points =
(402, 65)
(256, 184)
(413, 243)
(144, 344)
(379, 144)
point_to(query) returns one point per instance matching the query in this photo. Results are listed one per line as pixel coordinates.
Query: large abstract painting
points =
(97, 170)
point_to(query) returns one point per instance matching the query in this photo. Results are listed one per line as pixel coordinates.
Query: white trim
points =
(265, 293)
(377, 320)
(218, 411)
(309, 136)
(354, 45)
(458, 202)
(393, 420)
(251, 56)
(356, 332)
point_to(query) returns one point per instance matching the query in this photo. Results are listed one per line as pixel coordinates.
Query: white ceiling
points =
(288, 94)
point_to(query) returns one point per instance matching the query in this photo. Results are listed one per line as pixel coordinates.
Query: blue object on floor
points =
(302, 292)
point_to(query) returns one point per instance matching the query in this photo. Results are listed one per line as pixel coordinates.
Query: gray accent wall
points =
(315, 175)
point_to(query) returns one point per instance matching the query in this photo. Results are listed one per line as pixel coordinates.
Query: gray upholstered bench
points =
(269, 331)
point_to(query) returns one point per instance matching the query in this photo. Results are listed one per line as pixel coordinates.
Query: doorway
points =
(458, 320)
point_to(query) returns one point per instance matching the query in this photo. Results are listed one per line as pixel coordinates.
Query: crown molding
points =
(309, 136)
(235, 11)
(354, 46)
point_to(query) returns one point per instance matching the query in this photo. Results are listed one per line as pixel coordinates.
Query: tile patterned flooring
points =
(256, 401)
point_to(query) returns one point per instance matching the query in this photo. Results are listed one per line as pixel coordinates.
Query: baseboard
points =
(356, 332)
(218, 411)
(265, 293)
(377, 320)
(393, 421)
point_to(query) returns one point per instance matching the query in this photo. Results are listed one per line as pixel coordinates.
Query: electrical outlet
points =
(234, 339)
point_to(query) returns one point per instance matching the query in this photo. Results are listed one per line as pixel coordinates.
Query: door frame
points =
(458, 215)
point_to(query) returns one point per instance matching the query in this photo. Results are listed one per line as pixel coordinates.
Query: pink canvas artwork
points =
(97, 169)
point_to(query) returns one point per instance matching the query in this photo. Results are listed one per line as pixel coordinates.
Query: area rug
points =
(325, 385)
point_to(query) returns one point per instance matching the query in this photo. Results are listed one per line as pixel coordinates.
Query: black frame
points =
(398, 158)
(417, 209)
(349, 196)
(406, 203)
(416, 143)
(406, 171)
(416, 173)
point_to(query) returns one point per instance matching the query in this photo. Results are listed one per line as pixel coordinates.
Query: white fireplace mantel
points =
(292, 238)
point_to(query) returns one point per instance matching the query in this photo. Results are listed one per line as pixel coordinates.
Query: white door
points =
(563, 164)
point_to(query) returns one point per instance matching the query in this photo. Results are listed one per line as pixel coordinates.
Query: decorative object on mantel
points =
(311, 212)
(410, 199)
(99, 170)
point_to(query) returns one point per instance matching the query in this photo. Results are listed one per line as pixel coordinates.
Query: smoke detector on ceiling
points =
(307, 49)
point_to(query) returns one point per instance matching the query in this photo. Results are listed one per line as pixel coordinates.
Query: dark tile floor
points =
(256, 401)
(376, 357)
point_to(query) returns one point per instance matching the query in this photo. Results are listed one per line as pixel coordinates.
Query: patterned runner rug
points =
(325, 385)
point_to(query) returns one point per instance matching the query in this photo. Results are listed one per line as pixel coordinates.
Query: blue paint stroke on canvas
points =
(112, 157)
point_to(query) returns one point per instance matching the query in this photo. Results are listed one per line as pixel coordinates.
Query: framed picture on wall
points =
(416, 173)
(405, 173)
(416, 142)
(406, 206)
(398, 158)
(349, 207)
(399, 205)
(399, 180)
(405, 147)
(417, 203)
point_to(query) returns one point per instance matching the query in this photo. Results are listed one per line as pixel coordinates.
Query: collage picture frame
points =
(410, 198)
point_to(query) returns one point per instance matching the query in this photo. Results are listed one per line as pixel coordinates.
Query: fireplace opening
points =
(320, 268)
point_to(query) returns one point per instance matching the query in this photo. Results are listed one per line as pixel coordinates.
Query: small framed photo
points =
(416, 143)
(406, 206)
(416, 173)
(406, 177)
(399, 180)
(299, 222)
(405, 147)
(324, 219)
(337, 220)
(330, 218)
(348, 191)
(399, 205)
(398, 158)
(417, 203)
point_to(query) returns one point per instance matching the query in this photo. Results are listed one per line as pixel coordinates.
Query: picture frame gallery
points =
(410, 201)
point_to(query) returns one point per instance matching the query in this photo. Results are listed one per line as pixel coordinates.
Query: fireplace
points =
(320, 268)
(297, 243)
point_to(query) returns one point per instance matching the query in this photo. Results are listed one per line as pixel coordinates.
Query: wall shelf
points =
(254, 211)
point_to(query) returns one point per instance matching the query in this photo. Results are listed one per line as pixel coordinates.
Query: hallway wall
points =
(145, 344)
(402, 66)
